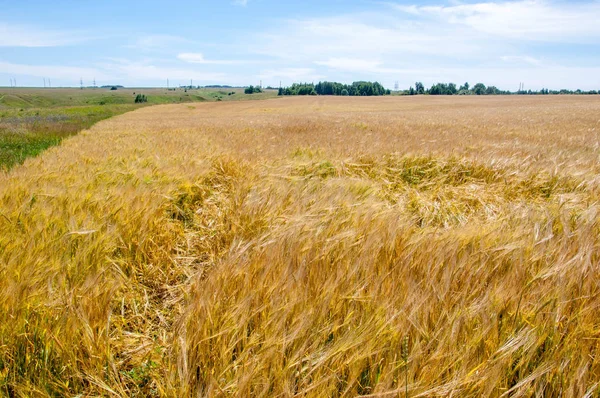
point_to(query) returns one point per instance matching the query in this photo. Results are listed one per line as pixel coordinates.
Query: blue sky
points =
(543, 43)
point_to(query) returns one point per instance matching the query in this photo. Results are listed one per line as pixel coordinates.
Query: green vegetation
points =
(27, 132)
(481, 89)
(253, 90)
(332, 88)
(33, 119)
(140, 99)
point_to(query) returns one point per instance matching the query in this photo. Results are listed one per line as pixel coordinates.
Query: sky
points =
(541, 43)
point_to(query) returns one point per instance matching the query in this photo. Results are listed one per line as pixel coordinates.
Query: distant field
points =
(59, 97)
(313, 246)
(33, 119)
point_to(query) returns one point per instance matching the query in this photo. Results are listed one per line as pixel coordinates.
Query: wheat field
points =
(422, 247)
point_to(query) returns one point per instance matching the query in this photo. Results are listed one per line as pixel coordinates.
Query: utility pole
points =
(191, 83)
(94, 82)
(81, 83)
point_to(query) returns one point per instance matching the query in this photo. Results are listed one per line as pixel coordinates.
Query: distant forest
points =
(481, 89)
(332, 88)
(375, 89)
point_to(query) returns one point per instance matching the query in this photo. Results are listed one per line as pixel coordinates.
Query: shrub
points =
(252, 90)
(140, 98)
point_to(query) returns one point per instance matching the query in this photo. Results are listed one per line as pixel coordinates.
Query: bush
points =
(140, 98)
(252, 90)
(113, 88)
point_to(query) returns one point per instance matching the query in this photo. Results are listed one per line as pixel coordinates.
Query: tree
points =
(479, 89)
(345, 92)
(419, 88)
(493, 90)
(280, 92)
(464, 87)
(452, 89)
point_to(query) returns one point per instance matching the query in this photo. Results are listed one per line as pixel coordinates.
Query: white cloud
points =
(29, 36)
(242, 3)
(62, 72)
(158, 42)
(198, 58)
(365, 66)
(347, 36)
(523, 20)
(145, 71)
(293, 75)
(351, 64)
(522, 59)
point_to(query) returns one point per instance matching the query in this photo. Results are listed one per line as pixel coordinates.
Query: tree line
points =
(481, 89)
(364, 88)
(334, 88)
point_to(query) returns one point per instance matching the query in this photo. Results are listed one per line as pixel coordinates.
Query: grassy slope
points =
(310, 246)
(32, 120)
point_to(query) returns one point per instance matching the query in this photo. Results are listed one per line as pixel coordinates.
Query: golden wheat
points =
(309, 246)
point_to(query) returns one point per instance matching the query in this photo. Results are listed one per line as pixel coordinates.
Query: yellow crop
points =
(309, 246)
